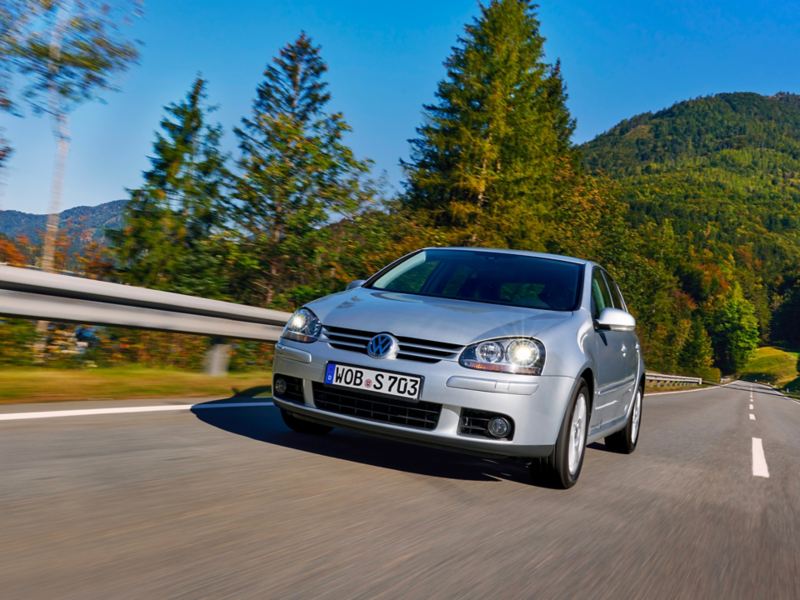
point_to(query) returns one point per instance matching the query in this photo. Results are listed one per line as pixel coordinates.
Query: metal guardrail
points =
(48, 296)
(34, 294)
(661, 380)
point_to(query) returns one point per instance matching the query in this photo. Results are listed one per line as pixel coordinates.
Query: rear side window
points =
(616, 295)
(601, 297)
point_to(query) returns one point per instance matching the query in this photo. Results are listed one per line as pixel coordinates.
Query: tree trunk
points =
(56, 192)
(61, 133)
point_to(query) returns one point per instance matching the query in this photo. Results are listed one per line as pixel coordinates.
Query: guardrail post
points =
(218, 357)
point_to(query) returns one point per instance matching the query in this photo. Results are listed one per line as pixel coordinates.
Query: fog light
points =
(279, 385)
(499, 427)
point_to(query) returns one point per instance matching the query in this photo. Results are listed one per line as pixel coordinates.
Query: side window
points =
(616, 296)
(601, 298)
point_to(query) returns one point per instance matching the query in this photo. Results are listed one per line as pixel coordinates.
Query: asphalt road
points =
(226, 502)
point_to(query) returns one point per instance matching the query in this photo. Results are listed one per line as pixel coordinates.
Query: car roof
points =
(561, 257)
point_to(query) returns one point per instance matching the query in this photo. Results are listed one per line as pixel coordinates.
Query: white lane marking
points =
(752, 417)
(751, 407)
(759, 460)
(85, 412)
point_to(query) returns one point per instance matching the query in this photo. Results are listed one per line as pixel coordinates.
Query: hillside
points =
(81, 225)
(716, 182)
(776, 366)
(699, 128)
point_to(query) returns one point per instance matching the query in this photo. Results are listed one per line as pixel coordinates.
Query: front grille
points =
(364, 405)
(355, 340)
(476, 422)
(294, 389)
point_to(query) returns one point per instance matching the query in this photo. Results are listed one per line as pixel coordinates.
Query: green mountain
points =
(699, 128)
(714, 183)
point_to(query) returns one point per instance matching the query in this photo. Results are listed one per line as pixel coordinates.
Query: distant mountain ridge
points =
(81, 224)
(697, 128)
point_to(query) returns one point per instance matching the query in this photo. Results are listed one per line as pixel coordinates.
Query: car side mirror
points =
(355, 284)
(614, 319)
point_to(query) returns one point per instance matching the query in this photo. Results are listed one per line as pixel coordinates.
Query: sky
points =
(619, 58)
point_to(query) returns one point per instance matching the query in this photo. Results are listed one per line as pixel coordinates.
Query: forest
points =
(695, 209)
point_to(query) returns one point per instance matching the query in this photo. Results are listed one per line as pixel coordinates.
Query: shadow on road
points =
(264, 424)
(601, 446)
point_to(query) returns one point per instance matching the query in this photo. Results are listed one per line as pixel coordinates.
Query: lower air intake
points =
(372, 407)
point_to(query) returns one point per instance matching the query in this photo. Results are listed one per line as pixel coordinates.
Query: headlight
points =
(303, 326)
(509, 355)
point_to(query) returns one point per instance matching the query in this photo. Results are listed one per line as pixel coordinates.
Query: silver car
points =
(494, 352)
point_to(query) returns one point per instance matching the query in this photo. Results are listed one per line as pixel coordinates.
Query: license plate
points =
(381, 382)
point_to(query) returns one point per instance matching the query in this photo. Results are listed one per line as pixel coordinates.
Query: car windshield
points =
(493, 277)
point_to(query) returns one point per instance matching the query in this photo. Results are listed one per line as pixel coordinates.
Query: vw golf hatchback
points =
(494, 352)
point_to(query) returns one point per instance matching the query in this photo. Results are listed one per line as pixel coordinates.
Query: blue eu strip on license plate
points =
(329, 372)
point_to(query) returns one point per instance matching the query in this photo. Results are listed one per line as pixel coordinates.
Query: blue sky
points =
(619, 58)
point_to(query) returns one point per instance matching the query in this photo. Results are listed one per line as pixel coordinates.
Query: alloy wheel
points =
(577, 434)
(637, 416)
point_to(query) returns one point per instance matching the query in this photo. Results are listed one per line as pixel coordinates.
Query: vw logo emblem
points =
(383, 345)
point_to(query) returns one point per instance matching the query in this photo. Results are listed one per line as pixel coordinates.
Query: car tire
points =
(302, 426)
(624, 441)
(563, 467)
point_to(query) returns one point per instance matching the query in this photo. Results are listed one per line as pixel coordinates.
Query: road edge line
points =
(122, 410)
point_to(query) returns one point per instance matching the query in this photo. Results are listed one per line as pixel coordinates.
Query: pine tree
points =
(494, 152)
(169, 223)
(297, 174)
(697, 354)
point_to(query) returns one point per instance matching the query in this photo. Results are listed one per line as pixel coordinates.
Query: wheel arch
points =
(588, 376)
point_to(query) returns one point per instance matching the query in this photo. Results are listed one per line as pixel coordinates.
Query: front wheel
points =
(625, 440)
(563, 467)
(302, 426)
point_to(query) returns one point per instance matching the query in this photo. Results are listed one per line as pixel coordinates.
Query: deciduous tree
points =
(68, 51)
(734, 331)
(13, 14)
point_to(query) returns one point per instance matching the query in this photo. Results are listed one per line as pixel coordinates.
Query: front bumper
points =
(536, 404)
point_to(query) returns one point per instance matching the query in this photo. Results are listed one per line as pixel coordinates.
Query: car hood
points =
(428, 318)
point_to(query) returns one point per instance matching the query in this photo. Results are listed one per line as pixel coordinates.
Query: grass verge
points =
(773, 365)
(53, 385)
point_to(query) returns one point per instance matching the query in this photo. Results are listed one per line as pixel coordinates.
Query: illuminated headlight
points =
(303, 326)
(509, 355)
